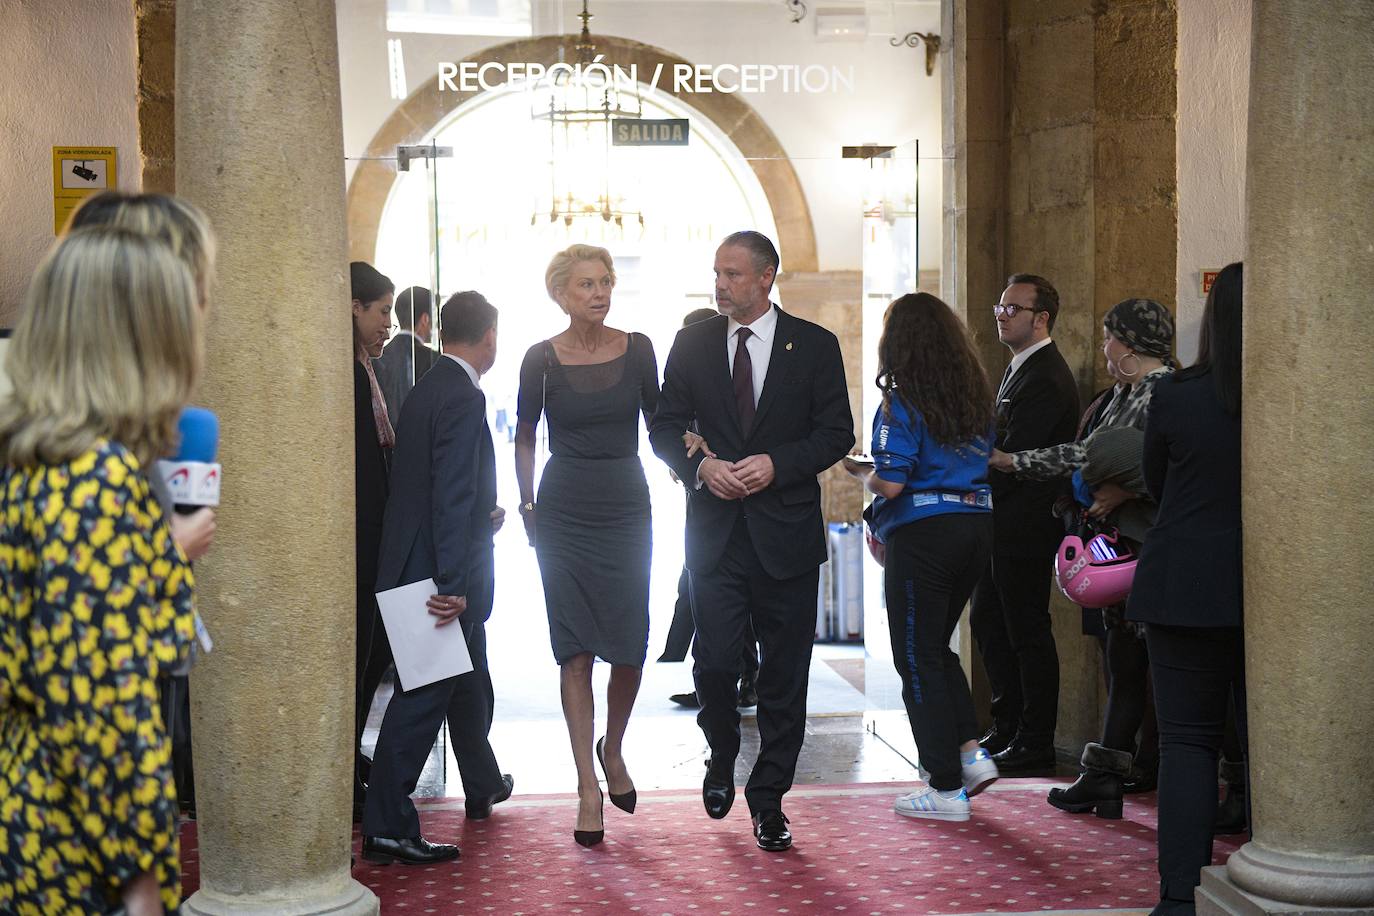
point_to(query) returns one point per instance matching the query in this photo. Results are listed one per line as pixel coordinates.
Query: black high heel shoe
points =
(625, 801)
(592, 837)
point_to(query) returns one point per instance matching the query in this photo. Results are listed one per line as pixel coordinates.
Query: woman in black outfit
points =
(1187, 588)
(591, 526)
(373, 438)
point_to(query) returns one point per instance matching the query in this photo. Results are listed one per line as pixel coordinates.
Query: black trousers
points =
(174, 692)
(681, 630)
(930, 571)
(1128, 691)
(408, 732)
(373, 657)
(1011, 625)
(1196, 671)
(726, 601)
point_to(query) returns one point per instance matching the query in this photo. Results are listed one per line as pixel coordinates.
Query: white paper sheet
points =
(423, 652)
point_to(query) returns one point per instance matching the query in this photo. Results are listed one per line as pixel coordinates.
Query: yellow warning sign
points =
(77, 173)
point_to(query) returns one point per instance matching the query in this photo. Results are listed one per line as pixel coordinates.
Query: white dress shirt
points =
(760, 346)
(472, 373)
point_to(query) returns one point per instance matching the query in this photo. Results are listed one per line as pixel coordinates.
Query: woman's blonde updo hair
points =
(108, 345)
(561, 267)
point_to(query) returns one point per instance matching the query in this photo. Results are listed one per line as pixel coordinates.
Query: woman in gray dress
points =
(590, 526)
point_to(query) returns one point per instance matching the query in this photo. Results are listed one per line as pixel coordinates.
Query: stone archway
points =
(427, 107)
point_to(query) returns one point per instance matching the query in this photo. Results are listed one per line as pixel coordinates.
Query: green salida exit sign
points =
(649, 132)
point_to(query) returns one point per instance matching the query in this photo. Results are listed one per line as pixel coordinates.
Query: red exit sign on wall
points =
(1209, 276)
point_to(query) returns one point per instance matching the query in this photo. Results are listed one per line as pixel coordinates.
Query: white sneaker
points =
(930, 803)
(976, 776)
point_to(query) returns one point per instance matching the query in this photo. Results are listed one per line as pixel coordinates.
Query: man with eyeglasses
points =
(1037, 405)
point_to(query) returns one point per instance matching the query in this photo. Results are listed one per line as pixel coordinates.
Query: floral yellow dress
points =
(95, 601)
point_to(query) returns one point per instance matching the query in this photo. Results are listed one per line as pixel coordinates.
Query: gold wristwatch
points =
(527, 507)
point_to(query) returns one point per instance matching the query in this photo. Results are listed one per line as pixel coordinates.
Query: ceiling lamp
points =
(581, 108)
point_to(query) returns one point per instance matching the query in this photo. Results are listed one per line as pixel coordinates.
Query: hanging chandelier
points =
(580, 110)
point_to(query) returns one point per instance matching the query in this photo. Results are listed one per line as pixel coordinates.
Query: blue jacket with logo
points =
(937, 479)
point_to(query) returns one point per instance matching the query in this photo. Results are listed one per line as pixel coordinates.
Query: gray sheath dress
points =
(594, 538)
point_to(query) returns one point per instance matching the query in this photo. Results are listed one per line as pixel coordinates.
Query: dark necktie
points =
(743, 377)
(1006, 377)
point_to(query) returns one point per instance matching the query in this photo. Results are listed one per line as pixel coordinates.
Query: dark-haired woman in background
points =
(931, 441)
(373, 438)
(1187, 588)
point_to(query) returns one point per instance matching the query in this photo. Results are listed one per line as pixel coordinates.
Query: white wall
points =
(70, 81)
(1213, 87)
(893, 101)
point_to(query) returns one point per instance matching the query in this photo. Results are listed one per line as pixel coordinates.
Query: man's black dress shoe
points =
(479, 809)
(770, 831)
(717, 793)
(748, 696)
(1025, 758)
(996, 740)
(414, 851)
(688, 700)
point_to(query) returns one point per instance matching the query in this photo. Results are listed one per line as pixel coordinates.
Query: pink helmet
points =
(876, 548)
(1097, 574)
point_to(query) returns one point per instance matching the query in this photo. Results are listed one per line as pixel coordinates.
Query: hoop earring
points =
(1120, 368)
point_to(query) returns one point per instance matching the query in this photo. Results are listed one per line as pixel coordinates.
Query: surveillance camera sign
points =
(77, 173)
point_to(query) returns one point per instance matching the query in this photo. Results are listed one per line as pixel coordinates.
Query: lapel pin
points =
(789, 345)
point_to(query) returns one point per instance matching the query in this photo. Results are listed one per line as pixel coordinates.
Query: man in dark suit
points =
(439, 524)
(1037, 405)
(407, 358)
(767, 392)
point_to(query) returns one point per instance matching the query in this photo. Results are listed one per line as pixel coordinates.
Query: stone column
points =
(259, 146)
(974, 162)
(974, 156)
(1308, 438)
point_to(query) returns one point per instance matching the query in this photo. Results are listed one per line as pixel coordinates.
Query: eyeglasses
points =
(1009, 311)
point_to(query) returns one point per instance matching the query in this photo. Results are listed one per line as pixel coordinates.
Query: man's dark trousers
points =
(407, 735)
(737, 596)
(1011, 621)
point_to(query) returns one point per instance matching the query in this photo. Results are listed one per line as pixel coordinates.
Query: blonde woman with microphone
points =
(96, 601)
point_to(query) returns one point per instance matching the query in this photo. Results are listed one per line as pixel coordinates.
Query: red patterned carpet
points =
(853, 854)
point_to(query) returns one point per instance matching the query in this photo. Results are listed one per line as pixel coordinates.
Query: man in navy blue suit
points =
(440, 518)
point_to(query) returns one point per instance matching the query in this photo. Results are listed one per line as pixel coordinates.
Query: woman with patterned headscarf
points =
(1137, 341)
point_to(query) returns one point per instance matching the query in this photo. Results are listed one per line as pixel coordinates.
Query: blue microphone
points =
(198, 430)
(193, 476)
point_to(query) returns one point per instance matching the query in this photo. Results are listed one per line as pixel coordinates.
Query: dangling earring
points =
(1122, 369)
